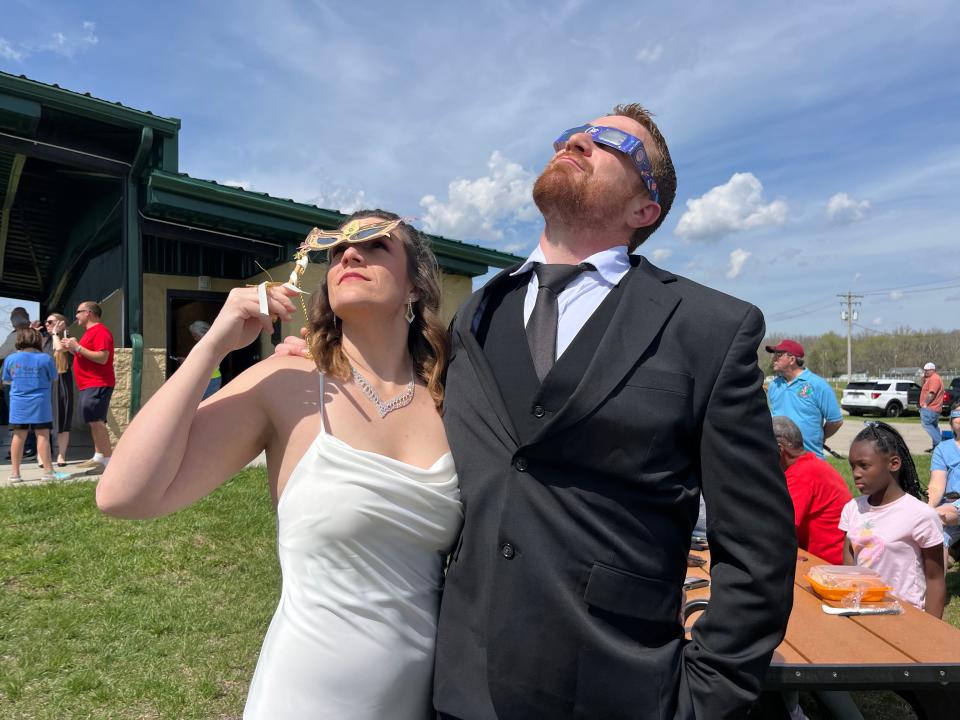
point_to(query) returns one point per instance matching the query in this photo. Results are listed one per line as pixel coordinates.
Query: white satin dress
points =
(362, 539)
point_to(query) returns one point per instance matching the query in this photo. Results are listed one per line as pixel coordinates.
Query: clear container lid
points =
(845, 576)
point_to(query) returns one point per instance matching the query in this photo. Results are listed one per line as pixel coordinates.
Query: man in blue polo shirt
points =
(803, 396)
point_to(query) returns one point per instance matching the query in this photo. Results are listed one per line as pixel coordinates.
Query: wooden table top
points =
(868, 651)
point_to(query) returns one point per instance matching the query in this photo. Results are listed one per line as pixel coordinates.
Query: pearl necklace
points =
(400, 401)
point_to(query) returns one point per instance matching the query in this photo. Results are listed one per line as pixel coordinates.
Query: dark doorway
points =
(185, 307)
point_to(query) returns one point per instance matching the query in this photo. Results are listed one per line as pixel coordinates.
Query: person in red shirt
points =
(93, 372)
(818, 492)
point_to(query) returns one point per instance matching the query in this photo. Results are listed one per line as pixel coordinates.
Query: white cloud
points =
(737, 259)
(71, 44)
(242, 184)
(8, 52)
(650, 54)
(477, 209)
(517, 248)
(734, 206)
(878, 321)
(341, 199)
(896, 295)
(857, 277)
(842, 209)
(661, 254)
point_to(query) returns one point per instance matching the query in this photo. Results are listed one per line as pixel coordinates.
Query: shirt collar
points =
(798, 377)
(611, 264)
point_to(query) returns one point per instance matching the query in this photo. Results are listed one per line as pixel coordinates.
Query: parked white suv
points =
(883, 396)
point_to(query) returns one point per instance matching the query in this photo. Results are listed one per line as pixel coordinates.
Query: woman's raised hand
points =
(240, 321)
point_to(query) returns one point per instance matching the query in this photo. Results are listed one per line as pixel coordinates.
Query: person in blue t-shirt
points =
(803, 396)
(31, 373)
(943, 492)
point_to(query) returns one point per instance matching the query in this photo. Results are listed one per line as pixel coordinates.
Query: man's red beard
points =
(573, 197)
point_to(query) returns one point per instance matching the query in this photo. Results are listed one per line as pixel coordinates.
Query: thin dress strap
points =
(320, 403)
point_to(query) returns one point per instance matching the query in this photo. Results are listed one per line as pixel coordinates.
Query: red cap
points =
(788, 346)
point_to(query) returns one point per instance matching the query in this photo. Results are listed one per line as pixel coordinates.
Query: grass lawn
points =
(102, 618)
(111, 619)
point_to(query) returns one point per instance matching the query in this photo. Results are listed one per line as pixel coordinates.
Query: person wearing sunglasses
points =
(591, 398)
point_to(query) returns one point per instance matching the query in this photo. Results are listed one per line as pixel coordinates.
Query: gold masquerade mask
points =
(352, 233)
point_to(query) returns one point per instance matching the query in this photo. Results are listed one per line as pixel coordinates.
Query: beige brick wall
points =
(454, 289)
(152, 377)
(120, 400)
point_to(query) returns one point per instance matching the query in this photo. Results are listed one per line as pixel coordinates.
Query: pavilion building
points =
(95, 208)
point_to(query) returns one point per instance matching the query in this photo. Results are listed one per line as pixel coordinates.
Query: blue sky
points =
(816, 144)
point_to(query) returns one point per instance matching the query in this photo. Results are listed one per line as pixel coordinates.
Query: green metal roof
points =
(84, 104)
(210, 204)
(113, 132)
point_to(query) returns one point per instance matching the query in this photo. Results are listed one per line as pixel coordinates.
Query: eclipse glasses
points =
(622, 142)
(350, 234)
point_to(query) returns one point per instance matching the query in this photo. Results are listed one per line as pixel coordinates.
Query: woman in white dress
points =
(359, 468)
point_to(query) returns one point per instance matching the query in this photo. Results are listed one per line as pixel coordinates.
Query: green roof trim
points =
(19, 115)
(178, 196)
(84, 104)
(300, 217)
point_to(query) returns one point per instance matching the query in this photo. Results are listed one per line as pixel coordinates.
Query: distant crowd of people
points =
(888, 527)
(40, 364)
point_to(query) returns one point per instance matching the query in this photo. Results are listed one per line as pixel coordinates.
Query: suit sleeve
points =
(753, 546)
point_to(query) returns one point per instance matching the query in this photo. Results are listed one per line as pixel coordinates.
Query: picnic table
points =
(913, 654)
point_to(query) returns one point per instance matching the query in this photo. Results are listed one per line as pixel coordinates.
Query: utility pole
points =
(849, 313)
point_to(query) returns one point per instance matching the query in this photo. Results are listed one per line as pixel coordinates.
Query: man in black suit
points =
(591, 397)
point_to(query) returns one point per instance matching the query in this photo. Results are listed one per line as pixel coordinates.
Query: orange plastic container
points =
(834, 582)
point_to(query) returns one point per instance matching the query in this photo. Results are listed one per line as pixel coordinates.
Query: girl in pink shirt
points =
(889, 528)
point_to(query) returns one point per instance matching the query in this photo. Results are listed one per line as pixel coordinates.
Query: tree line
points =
(874, 354)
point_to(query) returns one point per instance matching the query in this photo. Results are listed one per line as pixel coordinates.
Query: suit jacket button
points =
(520, 464)
(538, 411)
(507, 550)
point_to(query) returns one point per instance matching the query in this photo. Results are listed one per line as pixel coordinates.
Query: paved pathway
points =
(81, 448)
(917, 439)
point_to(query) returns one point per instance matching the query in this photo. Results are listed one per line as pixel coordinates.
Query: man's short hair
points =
(27, 337)
(787, 433)
(19, 317)
(92, 307)
(661, 163)
(199, 328)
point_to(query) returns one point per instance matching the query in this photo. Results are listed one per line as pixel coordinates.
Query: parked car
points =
(951, 394)
(884, 396)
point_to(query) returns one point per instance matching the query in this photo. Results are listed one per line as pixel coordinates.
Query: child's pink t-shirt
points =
(888, 539)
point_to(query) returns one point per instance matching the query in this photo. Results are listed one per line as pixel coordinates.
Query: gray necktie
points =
(542, 326)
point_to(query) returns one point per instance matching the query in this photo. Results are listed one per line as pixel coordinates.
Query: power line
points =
(794, 313)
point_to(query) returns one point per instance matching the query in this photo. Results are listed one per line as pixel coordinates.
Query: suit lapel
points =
(463, 331)
(645, 306)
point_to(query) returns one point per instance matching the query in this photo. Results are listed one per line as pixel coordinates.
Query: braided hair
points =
(888, 441)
